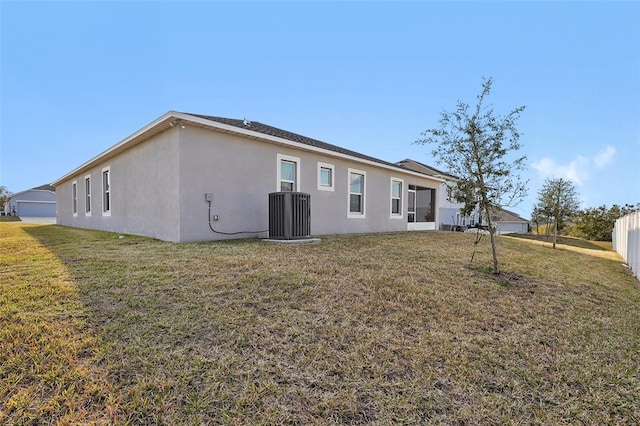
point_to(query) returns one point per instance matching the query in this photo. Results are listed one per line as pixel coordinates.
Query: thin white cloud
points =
(604, 158)
(577, 170)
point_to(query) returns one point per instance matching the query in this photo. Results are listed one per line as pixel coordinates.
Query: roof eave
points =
(158, 125)
(164, 122)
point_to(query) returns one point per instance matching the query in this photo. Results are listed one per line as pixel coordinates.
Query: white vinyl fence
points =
(626, 240)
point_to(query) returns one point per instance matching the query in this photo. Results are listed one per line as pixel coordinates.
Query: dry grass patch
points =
(365, 329)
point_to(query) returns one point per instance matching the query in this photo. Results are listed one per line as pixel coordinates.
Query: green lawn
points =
(368, 329)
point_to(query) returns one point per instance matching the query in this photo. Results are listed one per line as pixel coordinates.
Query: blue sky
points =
(78, 77)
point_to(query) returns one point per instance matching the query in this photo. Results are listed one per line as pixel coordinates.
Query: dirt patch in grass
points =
(363, 329)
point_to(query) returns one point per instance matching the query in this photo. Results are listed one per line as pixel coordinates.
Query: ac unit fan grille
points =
(289, 215)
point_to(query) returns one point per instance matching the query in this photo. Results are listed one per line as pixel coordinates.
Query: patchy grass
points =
(366, 329)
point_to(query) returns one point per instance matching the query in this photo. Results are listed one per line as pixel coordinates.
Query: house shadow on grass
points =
(49, 349)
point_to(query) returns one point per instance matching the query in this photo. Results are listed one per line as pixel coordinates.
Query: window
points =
(325, 176)
(288, 173)
(356, 193)
(106, 191)
(74, 197)
(396, 197)
(87, 195)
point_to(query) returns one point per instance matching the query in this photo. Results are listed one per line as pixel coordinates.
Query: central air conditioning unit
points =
(289, 216)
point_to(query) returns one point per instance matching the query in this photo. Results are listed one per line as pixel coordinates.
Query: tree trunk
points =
(547, 231)
(492, 237)
(555, 232)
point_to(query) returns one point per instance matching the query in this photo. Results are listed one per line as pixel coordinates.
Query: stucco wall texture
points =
(158, 189)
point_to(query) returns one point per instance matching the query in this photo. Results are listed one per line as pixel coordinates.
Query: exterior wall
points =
(144, 192)
(449, 210)
(35, 203)
(448, 216)
(512, 227)
(445, 203)
(240, 173)
(158, 189)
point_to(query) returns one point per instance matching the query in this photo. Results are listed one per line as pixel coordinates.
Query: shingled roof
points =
(419, 167)
(253, 129)
(256, 126)
(45, 187)
(504, 215)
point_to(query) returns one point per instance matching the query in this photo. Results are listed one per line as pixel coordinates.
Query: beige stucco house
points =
(189, 177)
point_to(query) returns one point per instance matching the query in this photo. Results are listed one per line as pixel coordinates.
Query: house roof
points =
(250, 129)
(417, 166)
(504, 215)
(45, 187)
(256, 126)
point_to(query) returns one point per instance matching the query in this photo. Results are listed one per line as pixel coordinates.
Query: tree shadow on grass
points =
(564, 240)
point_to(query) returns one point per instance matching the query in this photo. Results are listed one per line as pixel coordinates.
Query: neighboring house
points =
(34, 202)
(509, 222)
(188, 177)
(506, 222)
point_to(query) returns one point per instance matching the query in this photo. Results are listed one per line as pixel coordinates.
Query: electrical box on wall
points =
(208, 197)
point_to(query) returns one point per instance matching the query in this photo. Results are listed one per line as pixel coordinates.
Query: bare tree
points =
(481, 149)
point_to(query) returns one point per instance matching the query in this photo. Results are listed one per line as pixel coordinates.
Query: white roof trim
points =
(35, 201)
(120, 146)
(162, 123)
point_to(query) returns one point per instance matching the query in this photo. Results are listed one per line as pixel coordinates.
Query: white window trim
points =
(106, 212)
(293, 160)
(362, 215)
(88, 195)
(74, 198)
(393, 215)
(331, 167)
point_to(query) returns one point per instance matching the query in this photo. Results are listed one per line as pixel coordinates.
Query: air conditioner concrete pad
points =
(301, 241)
